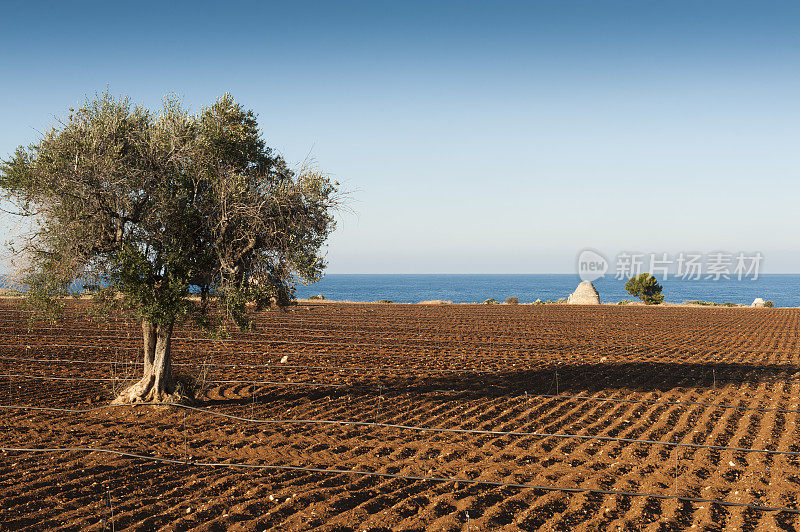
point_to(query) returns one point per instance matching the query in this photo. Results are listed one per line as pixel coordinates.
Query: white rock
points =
(285, 359)
(758, 303)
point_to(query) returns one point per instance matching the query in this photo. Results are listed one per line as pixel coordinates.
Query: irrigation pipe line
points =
(672, 403)
(514, 345)
(534, 349)
(511, 342)
(497, 433)
(331, 385)
(76, 346)
(393, 331)
(397, 372)
(252, 366)
(109, 379)
(370, 328)
(334, 369)
(402, 327)
(422, 343)
(261, 337)
(525, 394)
(708, 356)
(462, 320)
(259, 366)
(271, 366)
(308, 354)
(399, 476)
(585, 398)
(460, 310)
(263, 340)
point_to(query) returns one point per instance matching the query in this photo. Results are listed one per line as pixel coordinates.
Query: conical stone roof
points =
(585, 294)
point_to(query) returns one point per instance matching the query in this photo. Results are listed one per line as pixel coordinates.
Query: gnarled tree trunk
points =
(149, 336)
(157, 385)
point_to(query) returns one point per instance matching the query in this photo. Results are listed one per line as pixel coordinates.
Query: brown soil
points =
(694, 376)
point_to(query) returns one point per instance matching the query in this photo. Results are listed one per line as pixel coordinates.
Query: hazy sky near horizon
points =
(474, 137)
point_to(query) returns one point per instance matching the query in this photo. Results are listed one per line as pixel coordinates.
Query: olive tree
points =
(146, 209)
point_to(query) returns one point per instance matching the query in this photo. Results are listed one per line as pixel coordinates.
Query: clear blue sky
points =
(475, 137)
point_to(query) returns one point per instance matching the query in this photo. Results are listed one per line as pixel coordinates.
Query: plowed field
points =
(410, 417)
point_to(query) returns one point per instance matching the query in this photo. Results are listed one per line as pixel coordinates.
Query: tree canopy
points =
(645, 286)
(145, 208)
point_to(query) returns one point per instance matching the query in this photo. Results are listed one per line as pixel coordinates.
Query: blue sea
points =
(784, 290)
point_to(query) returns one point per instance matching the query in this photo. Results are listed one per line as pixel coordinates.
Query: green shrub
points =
(646, 288)
(318, 296)
(491, 302)
(710, 303)
(769, 304)
(385, 301)
(625, 302)
(512, 301)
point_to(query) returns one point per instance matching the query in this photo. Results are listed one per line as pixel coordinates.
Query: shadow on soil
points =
(564, 379)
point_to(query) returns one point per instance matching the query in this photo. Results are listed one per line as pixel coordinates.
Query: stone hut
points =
(585, 294)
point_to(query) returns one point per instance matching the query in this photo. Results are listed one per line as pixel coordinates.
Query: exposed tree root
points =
(148, 390)
(157, 385)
